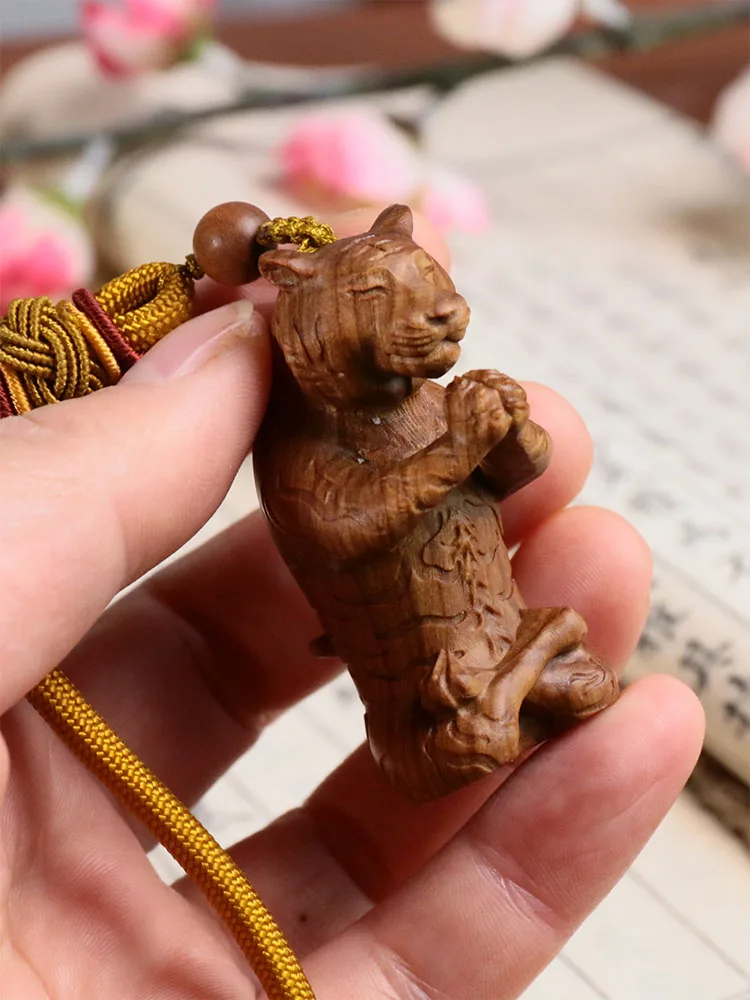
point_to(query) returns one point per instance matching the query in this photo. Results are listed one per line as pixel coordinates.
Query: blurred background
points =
(399, 31)
(588, 162)
(36, 17)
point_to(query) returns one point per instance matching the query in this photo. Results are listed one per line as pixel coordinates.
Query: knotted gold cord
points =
(47, 346)
(49, 353)
(310, 234)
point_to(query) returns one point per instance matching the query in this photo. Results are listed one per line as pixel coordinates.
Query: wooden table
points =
(687, 76)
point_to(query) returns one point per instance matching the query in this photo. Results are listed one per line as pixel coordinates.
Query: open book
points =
(618, 275)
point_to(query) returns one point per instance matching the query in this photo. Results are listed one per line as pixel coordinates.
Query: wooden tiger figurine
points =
(383, 491)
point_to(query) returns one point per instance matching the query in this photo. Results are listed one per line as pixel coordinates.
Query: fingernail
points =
(194, 344)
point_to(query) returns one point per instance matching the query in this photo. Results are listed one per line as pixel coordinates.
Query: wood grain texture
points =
(383, 492)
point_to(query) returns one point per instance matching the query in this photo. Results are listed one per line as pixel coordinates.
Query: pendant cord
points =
(137, 788)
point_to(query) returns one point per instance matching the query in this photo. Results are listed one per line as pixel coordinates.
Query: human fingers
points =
(357, 839)
(498, 903)
(97, 490)
(569, 468)
(592, 559)
(202, 655)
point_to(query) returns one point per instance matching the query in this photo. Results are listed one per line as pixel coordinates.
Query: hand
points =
(190, 665)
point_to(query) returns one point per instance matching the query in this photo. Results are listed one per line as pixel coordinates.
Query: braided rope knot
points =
(46, 346)
(49, 352)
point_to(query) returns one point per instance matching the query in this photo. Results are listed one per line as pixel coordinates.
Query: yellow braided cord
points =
(310, 234)
(60, 703)
(150, 301)
(45, 346)
(18, 396)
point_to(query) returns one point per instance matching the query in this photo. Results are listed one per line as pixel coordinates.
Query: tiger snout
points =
(450, 317)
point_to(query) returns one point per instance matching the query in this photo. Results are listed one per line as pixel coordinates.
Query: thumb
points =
(98, 490)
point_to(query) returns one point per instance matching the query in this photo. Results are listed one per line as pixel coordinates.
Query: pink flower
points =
(518, 28)
(43, 251)
(451, 201)
(352, 156)
(731, 123)
(141, 35)
(358, 157)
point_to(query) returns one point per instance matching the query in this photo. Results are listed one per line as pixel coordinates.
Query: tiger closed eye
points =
(369, 290)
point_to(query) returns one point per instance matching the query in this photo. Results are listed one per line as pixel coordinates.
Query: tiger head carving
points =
(363, 321)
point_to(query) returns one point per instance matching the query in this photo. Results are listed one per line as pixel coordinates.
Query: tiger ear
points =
(286, 268)
(397, 220)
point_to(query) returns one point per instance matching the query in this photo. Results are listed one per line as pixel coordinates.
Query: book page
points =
(617, 273)
(675, 928)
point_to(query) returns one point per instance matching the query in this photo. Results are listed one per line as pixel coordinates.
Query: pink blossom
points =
(141, 35)
(352, 156)
(42, 250)
(451, 201)
(518, 28)
(358, 157)
(731, 123)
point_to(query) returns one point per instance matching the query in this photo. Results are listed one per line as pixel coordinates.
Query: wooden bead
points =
(224, 242)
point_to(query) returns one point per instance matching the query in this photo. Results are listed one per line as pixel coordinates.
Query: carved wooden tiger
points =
(383, 492)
